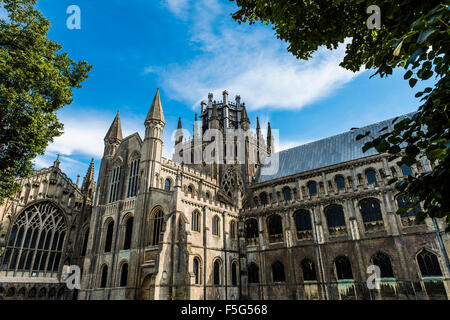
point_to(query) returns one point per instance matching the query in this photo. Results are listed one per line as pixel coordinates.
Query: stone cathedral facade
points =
(153, 228)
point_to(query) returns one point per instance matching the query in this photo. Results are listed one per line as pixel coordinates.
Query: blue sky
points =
(188, 48)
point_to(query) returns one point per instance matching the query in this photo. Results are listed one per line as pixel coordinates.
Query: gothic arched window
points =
(216, 272)
(133, 178)
(275, 228)
(38, 234)
(251, 228)
(335, 217)
(406, 170)
(158, 219)
(384, 263)
(404, 202)
(253, 273)
(274, 224)
(278, 272)
(195, 221)
(216, 226)
(123, 275)
(232, 181)
(287, 193)
(309, 270)
(104, 277)
(302, 220)
(312, 187)
(234, 274)
(190, 189)
(429, 264)
(115, 182)
(128, 233)
(263, 198)
(340, 182)
(371, 177)
(343, 268)
(370, 210)
(109, 236)
(42, 293)
(167, 185)
(233, 231)
(196, 270)
(52, 292)
(32, 293)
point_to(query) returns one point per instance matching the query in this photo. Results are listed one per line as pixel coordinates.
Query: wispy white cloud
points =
(177, 7)
(248, 61)
(83, 136)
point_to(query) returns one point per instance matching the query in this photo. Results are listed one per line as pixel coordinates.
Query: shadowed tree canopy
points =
(413, 35)
(36, 79)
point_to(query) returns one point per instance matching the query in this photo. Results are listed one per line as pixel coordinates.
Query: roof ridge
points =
(346, 132)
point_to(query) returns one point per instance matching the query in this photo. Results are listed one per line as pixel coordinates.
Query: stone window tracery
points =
(232, 181)
(37, 238)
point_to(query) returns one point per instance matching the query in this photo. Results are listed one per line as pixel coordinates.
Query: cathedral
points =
(227, 218)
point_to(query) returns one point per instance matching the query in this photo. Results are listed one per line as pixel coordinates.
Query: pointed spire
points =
(179, 133)
(56, 162)
(195, 125)
(258, 127)
(90, 172)
(88, 180)
(244, 116)
(269, 139)
(245, 121)
(156, 111)
(115, 131)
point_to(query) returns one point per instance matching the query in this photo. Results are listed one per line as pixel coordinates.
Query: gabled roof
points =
(326, 152)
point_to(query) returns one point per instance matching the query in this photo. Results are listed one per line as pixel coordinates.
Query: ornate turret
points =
(88, 185)
(153, 143)
(225, 97)
(56, 162)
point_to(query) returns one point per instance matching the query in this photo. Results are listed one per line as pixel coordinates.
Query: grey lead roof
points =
(325, 152)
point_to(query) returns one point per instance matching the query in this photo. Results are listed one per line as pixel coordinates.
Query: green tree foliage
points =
(414, 35)
(36, 79)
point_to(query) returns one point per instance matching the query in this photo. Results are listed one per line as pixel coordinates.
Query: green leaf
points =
(414, 56)
(425, 34)
(412, 82)
(426, 75)
(408, 75)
